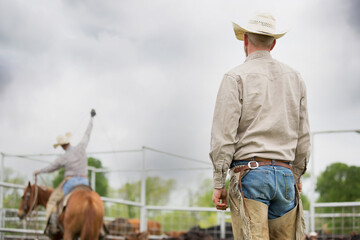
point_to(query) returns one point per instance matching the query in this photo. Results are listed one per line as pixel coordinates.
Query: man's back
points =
(261, 133)
(270, 93)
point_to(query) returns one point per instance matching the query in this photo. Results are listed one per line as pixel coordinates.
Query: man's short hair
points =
(259, 40)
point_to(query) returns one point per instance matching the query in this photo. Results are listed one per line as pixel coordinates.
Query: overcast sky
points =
(152, 70)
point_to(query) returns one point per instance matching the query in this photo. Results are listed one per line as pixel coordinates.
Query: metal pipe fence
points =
(337, 218)
(334, 218)
(182, 217)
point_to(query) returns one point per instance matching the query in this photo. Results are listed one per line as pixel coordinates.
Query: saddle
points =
(61, 206)
(63, 201)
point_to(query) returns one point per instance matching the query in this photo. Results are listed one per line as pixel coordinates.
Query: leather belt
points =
(256, 162)
(84, 176)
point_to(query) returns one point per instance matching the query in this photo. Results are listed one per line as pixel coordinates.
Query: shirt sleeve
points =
(226, 118)
(85, 140)
(57, 164)
(302, 153)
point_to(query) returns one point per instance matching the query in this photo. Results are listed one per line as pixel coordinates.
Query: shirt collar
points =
(258, 54)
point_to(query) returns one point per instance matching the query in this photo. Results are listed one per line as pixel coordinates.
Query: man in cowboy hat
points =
(261, 133)
(74, 160)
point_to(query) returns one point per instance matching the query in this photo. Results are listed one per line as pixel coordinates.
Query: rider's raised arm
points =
(85, 140)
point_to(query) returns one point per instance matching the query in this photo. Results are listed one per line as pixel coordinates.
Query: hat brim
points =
(239, 32)
(59, 144)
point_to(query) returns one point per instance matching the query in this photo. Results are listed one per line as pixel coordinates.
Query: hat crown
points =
(262, 22)
(60, 138)
(63, 139)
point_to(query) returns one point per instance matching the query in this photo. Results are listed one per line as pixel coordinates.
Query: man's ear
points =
(273, 45)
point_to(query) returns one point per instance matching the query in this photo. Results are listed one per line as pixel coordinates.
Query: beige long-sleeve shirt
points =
(261, 110)
(74, 160)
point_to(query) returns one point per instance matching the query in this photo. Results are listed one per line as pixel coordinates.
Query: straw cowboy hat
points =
(63, 139)
(260, 23)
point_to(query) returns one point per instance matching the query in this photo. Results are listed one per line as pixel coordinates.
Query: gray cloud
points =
(5, 76)
(152, 69)
(354, 16)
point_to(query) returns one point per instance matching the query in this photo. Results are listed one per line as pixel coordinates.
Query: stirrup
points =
(52, 226)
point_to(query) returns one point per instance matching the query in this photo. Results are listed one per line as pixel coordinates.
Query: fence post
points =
(93, 180)
(143, 213)
(2, 212)
(222, 225)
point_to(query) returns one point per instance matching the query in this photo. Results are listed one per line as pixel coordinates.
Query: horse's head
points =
(27, 201)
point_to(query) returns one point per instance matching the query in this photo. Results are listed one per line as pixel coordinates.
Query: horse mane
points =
(43, 187)
(43, 193)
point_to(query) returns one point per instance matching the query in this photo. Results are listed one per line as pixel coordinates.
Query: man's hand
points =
(219, 199)
(36, 173)
(299, 186)
(92, 113)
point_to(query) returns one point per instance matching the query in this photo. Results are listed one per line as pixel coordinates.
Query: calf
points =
(119, 227)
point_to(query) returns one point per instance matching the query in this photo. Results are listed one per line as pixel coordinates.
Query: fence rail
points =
(340, 214)
(145, 210)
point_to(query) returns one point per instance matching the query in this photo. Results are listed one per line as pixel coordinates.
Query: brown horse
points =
(83, 216)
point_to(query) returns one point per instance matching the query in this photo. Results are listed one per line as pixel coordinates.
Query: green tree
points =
(305, 201)
(101, 182)
(12, 195)
(338, 183)
(157, 193)
(158, 190)
(203, 197)
(304, 198)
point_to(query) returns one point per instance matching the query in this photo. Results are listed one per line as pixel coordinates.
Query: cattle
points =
(198, 233)
(123, 227)
(119, 227)
(153, 227)
(137, 236)
(174, 234)
(355, 236)
(214, 231)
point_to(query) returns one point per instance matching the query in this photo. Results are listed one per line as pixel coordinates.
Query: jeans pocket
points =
(289, 186)
(255, 184)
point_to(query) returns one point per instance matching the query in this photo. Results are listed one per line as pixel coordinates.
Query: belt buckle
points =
(251, 167)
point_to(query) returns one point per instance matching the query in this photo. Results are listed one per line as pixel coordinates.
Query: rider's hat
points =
(261, 23)
(63, 139)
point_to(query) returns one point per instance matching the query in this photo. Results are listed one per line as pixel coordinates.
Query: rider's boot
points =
(52, 225)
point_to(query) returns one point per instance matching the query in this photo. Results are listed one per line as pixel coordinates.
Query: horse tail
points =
(89, 230)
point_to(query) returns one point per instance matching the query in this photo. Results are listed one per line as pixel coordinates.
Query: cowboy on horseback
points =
(74, 161)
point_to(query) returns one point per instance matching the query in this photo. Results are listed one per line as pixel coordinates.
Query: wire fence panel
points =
(147, 187)
(334, 220)
(31, 227)
(176, 222)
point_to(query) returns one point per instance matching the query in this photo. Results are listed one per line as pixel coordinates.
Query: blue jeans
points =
(74, 181)
(271, 185)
